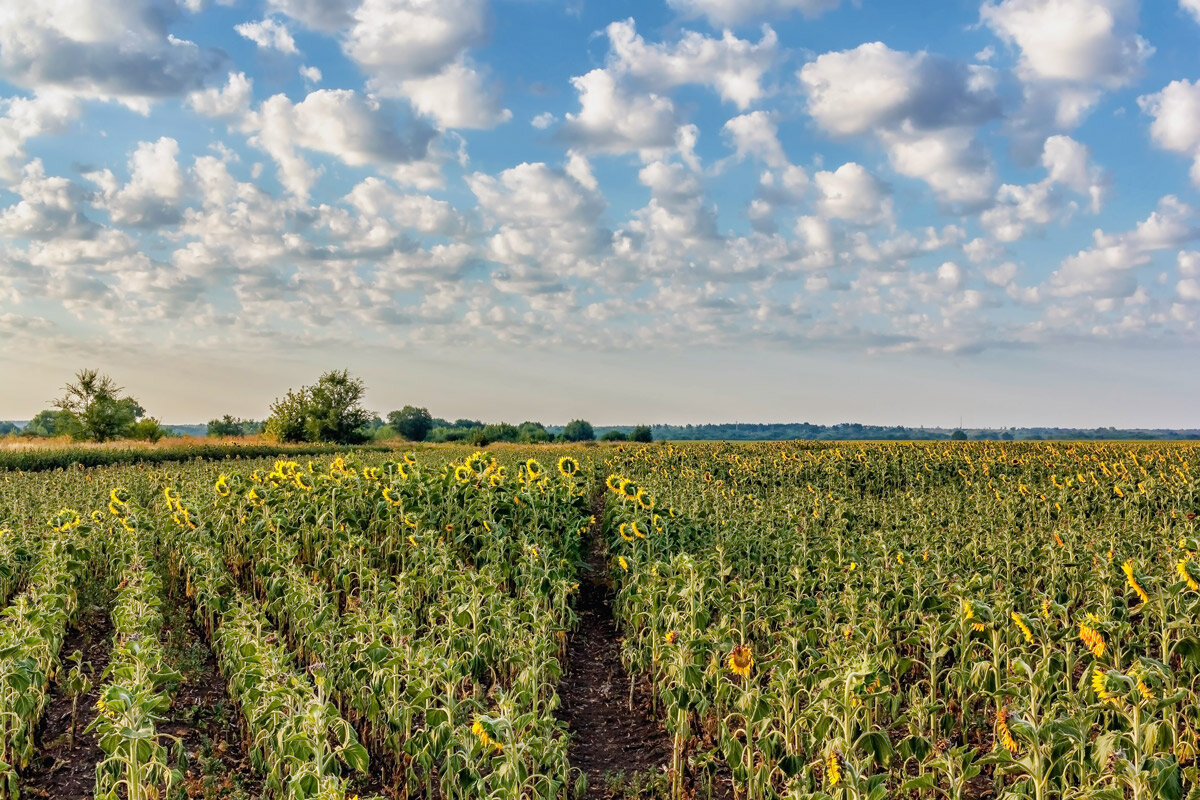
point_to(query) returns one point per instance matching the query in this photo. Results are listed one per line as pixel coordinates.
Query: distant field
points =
(788, 620)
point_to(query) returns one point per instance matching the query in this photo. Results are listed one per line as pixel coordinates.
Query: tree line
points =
(94, 408)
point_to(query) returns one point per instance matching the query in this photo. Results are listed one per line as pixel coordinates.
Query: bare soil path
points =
(608, 737)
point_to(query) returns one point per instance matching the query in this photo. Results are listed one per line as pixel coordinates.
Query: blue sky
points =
(659, 211)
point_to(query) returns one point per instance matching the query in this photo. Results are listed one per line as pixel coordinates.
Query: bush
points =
(614, 436)
(578, 430)
(328, 411)
(641, 433)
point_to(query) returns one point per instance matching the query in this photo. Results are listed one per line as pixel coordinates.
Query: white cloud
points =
(27, 118)
(614, 120)
(756, 134)
(1106, 270)
(546, 222)
(310, 74)
(103, 49)
(418, 49)
(923, 108)
(543, 121)
(733, 67)
(1070, 50)
(736, 12)
(228, 101)
(852, 193)
(268, 34)
(1068, 163)
(456, 97)
(1176, 125)
(152, 196)
(341, 123)
(1192, 7)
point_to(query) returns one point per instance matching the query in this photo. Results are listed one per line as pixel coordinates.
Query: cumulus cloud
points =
(104, 49)
(1176, 125)
(612, 119)
(268, 34)
(418, 50)
(923, 108)
(1192, 7)
(152, 196)
(228, 101)
(546, 222)
(355, 129)
(852, 193)
(737, 12)
(1070, 52)
(26, 118)
(733, 67)
(1106, 270)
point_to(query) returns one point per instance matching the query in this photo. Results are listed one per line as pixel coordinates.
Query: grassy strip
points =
(41, 460)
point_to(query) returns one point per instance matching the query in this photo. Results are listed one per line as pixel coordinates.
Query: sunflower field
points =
(851, 622)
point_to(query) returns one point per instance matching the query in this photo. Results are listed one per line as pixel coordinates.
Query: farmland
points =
(755, 620)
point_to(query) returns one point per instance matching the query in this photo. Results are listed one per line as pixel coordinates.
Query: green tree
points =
(46, 424)
(91, 409)
(7, 428)
(959, 436)
(641, 433)
(226, 426)
(328, 411)
(411, 422)
(532, 433)
(614, 436)
(578, 430)
(148, 430)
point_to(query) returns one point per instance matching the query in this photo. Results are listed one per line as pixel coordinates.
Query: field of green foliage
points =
(865, 621)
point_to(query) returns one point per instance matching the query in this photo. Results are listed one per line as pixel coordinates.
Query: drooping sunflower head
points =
(120, 496)
(410, 459)
(741, 661)
(533, 468)
(629, 490)
(644, 499)
(568, 466)
(222, 486)
(478, 462)
(613, 482)
(463, 473)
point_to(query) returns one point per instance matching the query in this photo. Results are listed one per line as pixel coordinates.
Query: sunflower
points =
(222, 486)
(478, 461)
(410, 459)
(568, 466)
(741, 660)
(1092, 638)
(1127, 568)
(462, 473)
(624, 530)
(834, 770)
(645, 500)
(613, 482)
(533, 468)
(629, 490)
(1004, 734)
(1020, 623)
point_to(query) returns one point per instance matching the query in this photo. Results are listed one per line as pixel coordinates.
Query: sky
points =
(883, 211)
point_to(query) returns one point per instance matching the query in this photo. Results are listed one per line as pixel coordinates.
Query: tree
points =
(614, 436)
(46, 425)
(226, 426)
(532, 433)
(959, 435)
(91, 409)
(288, 415)
(329, 411)
(7, 428)
(578, 430)
(411, 422)
(641, 433)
